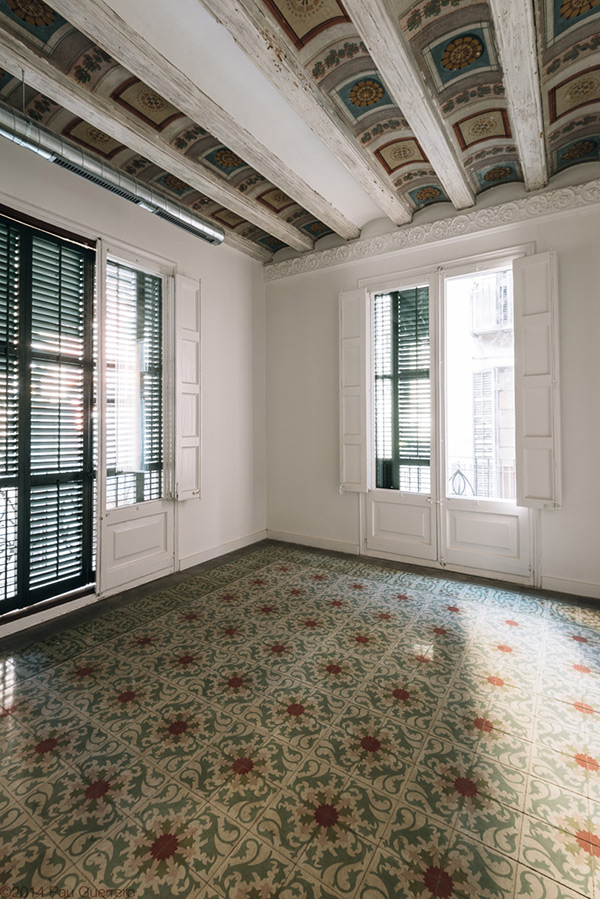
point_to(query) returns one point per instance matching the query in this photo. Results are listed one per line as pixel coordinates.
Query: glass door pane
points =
(402, 390)
(480, 404)
(134, 413)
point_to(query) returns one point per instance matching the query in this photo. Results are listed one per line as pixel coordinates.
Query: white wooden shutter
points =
(536, 381)
(354, 355)
(187, 386)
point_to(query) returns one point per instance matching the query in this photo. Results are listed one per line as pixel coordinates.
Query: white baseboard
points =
(577, 588)
(317, 542)
(510, 578)
(221, 550)
(44, 615)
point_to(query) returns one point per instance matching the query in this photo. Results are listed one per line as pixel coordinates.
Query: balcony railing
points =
(481, 478)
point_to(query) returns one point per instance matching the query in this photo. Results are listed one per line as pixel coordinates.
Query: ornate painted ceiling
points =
(433, 102)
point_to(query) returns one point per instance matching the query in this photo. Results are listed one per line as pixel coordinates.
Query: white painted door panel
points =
(188, 411)
(137, 544)
(401, 524)
(536, 381)
(487, 536)
(353, 374)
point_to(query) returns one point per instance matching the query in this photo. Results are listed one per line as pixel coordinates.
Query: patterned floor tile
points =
(170, 848)
(18, 830)
(553, 735)
(175, 732)
(502, 747)
(440, 793)
(285, 826)
(556, 806)
(233, 687)
(333, 671)
(369, 753)
(38, 866)
(296, 714)
(253, 869)
(24, 702)
(570, 771)
(390, 878)
(50, 748)
(305, 726)
(303, 885)
(186, 660)
(567, 857)
(128, 697)
(476, 870)
(339, 858)
(486, 821)
(241, 772)
(411, 834)
(499, 782)
(435, 753)
(409, 699)
(531, 885)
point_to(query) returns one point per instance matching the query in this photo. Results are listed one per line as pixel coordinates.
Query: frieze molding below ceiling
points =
(511, 213)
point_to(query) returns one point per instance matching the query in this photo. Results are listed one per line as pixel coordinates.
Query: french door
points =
(443, 412)
(136, 506)
(46, 433)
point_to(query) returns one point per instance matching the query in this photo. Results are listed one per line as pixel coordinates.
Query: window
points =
(480, 397)
(46, 435)
(491, 297)
(134, 408)
(402, 390)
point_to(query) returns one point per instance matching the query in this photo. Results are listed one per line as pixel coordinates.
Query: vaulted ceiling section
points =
(423, 103)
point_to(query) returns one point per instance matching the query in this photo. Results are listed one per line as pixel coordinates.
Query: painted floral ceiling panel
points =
(87, 64)
(454, 40)
(570, 79)
(455, 46)
(337, 60)
(462, 66)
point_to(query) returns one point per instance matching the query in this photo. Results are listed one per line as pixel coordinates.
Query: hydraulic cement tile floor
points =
(297, 725)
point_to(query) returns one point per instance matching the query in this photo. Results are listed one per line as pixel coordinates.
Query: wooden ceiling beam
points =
(274, 55)
(39, 73)
(249, 247)
(387, 44)
(515, 36)
(127, 46)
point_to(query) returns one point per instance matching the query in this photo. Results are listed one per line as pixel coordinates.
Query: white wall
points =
(302, 394)
(232, 508)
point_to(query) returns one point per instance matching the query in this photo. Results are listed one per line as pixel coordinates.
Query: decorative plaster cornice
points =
(550, 203)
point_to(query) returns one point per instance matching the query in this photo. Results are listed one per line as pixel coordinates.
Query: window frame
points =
(434, 276)
(396, 378)
(131, 258)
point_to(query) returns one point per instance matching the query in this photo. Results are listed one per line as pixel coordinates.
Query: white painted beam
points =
(16, 57)
(274, 55)
(395, 62)
(249, 247)
(515, 36)
(127, 46)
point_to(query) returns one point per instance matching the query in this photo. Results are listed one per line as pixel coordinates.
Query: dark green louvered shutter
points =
(402, 390)
(46, 375)
(10, 253)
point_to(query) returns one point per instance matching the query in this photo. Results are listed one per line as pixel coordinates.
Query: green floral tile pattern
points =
(297, 725)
